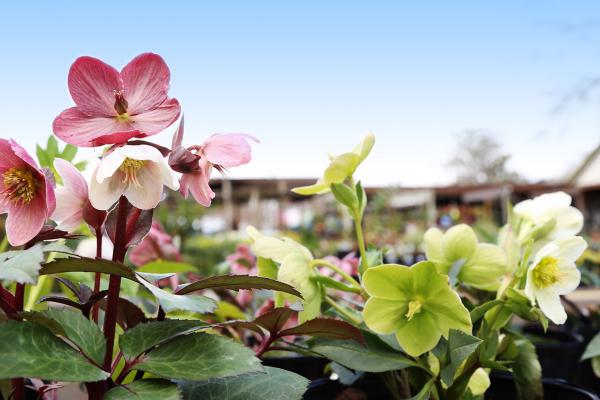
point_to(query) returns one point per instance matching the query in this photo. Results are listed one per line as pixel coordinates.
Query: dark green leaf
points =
(149, 335)
(527, 370)
(175, 302)
(344, 195)
(326, 328)
(31, 350)
(85, 264)
(274, 384)
(460, 346)
(236, 282)
(199, 356)
(21, 265)
(145, 389)
(424, 392)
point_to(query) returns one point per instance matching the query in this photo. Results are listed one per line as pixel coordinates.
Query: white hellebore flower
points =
(552, 211)
(137, 172)
(553, 273)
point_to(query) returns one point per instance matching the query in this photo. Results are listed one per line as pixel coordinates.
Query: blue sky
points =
(313, 77)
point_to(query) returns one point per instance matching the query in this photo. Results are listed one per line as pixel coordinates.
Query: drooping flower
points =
(415, 303)
(553, 273)
(480, 265)
(340, 168)
(548, 217)
(156, 245)
(294, 268)
(71, 197)
(137, 172)
(112, 106)
(220, 151)
(26, 193)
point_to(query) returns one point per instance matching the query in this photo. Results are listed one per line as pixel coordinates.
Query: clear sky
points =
(312, 77)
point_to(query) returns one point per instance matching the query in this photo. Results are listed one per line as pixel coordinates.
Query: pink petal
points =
(8, 158)
(159, 119)
(146, 82)
(197, 183)
(92, 84)
(20, 152)
(72, 179)
(178, 136)
(228, 150)
(24, 221)
(79, 129)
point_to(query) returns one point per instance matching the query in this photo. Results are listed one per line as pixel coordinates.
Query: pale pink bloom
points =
(220, 151)
(243, 261)
(157, 245)
(112, 106)
(26, 193)
(348, 264)
(71, 197)
(137, 172)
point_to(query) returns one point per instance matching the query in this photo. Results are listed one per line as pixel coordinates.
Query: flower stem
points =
(18, 384)
(342, 311)
(114, 285)
(337, 269)
(361, 240)
(98, 276)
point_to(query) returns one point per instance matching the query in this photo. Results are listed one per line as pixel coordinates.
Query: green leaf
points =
(31, 350)
(596, 366)
(85, 334)
(199, 356)
(361, 195)
(424, 392)
(144, 337)
(375, 357)
(21, 265)
(85, 264)
(69, 152)
(145, 389)
(527, 370)
(481, 309)
(42, 156)
(593, 348)
(163, 267)
(267, 268)
(175, 302)
(460, 346)
(345, 195)
(274, 384)
(326, 328)
(52, 147)
(236, 282)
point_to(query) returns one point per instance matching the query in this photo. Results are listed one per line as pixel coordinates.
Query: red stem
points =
(264, 346)
(18, 384)
(98, 276)
(114, 285)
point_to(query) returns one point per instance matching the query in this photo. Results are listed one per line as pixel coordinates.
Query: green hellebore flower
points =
(481, 265)
(340, 168)
(294, 268)
(416, 303)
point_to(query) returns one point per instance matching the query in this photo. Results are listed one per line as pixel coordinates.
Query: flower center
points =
(414, 307)
(546, 273)
(20, 185)
(130, 168)
(121, 106)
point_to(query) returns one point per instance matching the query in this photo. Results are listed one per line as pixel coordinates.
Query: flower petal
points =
(228, 150)
(9, 159)
(433, 245)
(141, 152)
(486, 269)
(389, 281)
(570, 277)
(109, 165)
(460, 242)
(79, 129)
(24, 221)
(448, 312)
(157, 120)
(418, 335)
(68, 206)
(569, 222)
(72, 179)
(104, 194)
(549, 302)
(571, 249)
(383, 315)
(92, 84)
(146, 82)
(197, 183)
(148, 193)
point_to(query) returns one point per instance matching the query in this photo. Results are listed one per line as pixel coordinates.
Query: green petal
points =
(389, 281)
(433, 245)
(274, 248)
(427, 281)
(384, 316)
(418, 335)
(486, 269)
(364, 148)
(312, 304)
(459, 242)
(295, 271)
(448, 311)
(317, 188)
(340, 168)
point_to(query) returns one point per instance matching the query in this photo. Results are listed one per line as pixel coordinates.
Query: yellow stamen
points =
(414, 307)
(124, 117)
(20, 184)
(130, 168)
(546, 273)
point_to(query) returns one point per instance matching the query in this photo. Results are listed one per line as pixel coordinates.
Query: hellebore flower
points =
(71, 197)
(26, 193)
(340, 168)
(156, 245)
(220, 151)
(242, 262)
(295, 268)
(416, 303)
(553, 273)
(137, 172)
(112, 106)
(549, 216)
(480, 265)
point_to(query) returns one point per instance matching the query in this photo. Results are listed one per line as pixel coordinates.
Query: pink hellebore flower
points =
(71, 197)
(137, 172)
(112, 106)
(157, 245)
(348, 264)
(220, 151)
(242, 262)
(26, 194)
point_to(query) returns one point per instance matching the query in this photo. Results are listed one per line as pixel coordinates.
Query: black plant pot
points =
(309, 367)
(502, 388)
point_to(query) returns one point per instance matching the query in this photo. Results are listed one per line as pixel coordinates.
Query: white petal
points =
(108, 166)
(569, 222)
(103, 195)
(570, 249)
(551, 249)
(569, 280)
(549, 302)
(148, 193)
(529, 286)
(169, 177)
(141, 152)
(552, 201)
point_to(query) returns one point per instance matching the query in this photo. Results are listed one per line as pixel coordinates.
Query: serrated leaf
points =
(35, 352)
(460, 346)
(274, 384)
(199, 356)
(21, 266)
(146, 336)
(175, 302)
(327, 328)
(163, 266)
(85, 264)
(236, 282)
(145, 389)
(376, 356)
